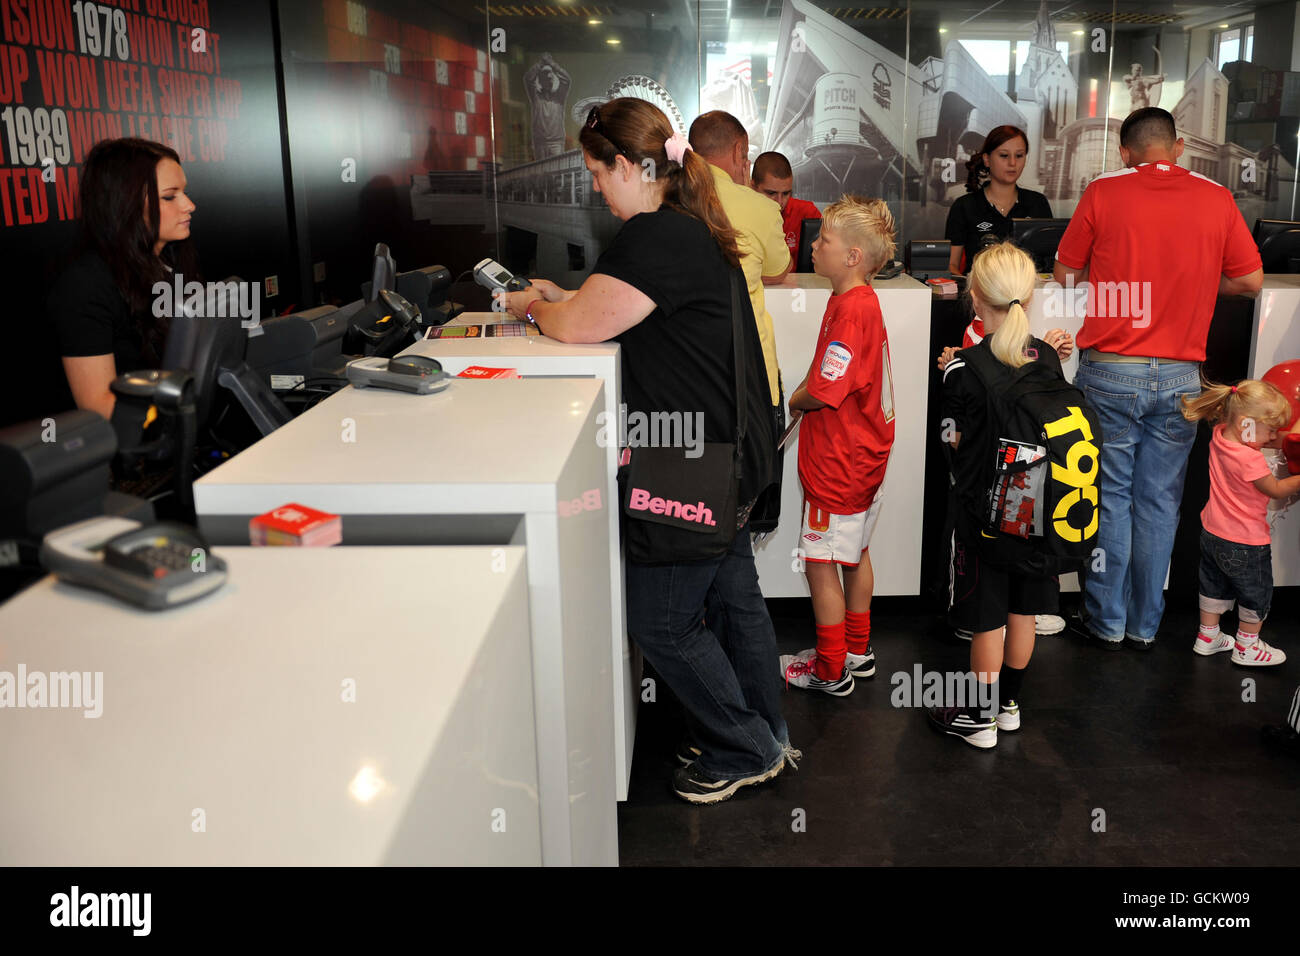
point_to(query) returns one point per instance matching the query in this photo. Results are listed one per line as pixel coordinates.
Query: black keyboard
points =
(148, 486)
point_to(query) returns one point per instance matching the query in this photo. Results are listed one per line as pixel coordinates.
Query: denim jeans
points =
(728, 682)
(1232, 572)
(1143, 464)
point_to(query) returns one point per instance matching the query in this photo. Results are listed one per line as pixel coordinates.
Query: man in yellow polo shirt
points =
(719, 138)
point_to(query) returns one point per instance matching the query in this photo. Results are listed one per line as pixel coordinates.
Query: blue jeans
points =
(730, 682)
(1143, 463)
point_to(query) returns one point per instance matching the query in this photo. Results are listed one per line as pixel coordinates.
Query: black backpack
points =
(1043, 505)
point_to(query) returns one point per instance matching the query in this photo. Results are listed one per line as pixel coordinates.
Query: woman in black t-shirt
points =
(983, 216)
(662, 290)
(135, 221)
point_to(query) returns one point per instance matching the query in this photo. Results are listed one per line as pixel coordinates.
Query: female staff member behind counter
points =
(663, 290)
(983, 216)
(133, 204)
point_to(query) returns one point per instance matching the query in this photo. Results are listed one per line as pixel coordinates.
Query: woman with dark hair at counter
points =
(983, 216)
(135, 230)
(663, 291)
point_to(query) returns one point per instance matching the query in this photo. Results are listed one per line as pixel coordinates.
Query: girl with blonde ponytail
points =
(1000, 285)
(1236, 542)
(994, 602)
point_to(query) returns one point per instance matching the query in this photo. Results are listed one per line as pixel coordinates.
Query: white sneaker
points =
(1008, 717)
(1257, 654)
(1048, 624)
(861, 665)
(1205, 646)
(797, 669)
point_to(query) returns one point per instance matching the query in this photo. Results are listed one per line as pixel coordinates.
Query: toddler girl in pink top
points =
(1236, 560)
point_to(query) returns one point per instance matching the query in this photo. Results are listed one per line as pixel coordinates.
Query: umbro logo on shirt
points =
(984, 226)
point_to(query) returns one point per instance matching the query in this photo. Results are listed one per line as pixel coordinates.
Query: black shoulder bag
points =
(677, 508)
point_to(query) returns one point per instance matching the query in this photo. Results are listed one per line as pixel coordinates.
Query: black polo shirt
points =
(972, 217)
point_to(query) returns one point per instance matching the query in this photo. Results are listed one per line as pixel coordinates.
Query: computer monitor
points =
(284, 349)
(212, 347)
(928, 259)
(1279, 245)
(383, 274)
(427, 290)
(1039, 238)
(809, 230)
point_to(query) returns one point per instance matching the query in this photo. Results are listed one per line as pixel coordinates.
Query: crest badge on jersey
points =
(835, 361)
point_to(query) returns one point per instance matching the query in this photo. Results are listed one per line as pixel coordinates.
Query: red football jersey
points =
(1155, 239)
(844, 448)
(796, 211)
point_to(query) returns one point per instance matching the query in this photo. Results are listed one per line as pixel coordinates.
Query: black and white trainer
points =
(861, 665)
(799, 671)
(976, 730)
(687, 753)
(1008, 717)
(695, 786)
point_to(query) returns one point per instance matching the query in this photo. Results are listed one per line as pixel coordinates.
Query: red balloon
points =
(1291, 448)
(1286, 376)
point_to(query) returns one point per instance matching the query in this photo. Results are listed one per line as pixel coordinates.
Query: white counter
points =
(483, 462)
(797, 307)
(1276, 339)
(536, 356)
(224, 736)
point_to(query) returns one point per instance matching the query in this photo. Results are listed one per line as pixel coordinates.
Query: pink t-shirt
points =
(1237, 510)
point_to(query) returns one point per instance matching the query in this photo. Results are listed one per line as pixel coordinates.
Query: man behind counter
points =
(774, 178)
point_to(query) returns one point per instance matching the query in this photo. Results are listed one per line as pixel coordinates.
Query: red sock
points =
(830, 651)
(858, 631)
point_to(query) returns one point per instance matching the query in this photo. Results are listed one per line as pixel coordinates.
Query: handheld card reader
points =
(495, 277)
(153, 566)
(407, 373)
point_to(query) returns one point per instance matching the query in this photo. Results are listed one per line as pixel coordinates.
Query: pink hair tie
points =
(1234, 390)
(676, 146)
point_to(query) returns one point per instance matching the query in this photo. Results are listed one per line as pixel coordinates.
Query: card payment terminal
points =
(153, 566)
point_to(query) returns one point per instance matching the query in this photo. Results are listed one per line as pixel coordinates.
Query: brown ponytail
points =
(638, 130)
(690, 189)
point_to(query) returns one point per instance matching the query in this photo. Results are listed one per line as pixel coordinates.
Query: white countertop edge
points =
(377, 498)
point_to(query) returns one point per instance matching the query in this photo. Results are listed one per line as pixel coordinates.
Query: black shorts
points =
(982, 592)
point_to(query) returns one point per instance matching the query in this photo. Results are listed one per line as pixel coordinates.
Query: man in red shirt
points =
(773, 177)
(1146, 253)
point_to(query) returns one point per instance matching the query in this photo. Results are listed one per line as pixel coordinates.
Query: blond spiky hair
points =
(865, 223)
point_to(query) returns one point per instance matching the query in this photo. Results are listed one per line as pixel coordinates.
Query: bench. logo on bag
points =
(642, 500)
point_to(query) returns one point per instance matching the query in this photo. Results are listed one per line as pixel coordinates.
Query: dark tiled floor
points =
(1161, 742)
